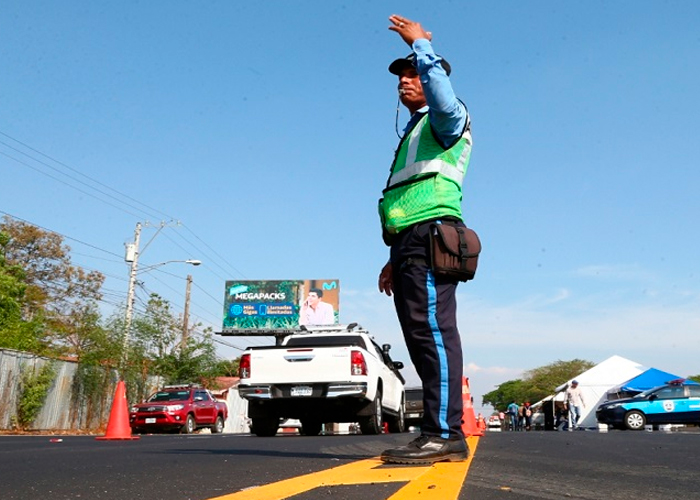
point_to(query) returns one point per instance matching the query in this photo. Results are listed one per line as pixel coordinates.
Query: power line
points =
(59, 234)
(102, 192)
(218, 301)
(215, 252)
(119, 261)
(215, 260)
(213, 318)
(88, 268)
(68, 176)
(67, 184)
(204, 254)
(219, 341)
(80, 173)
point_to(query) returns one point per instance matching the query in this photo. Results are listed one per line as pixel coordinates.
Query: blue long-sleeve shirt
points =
(448, 115)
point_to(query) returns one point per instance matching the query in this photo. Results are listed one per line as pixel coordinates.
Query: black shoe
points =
(428, 450)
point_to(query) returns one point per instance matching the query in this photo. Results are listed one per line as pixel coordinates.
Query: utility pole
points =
(132, 255)
(185, 319)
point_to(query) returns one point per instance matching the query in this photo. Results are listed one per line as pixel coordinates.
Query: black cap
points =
(404, 62)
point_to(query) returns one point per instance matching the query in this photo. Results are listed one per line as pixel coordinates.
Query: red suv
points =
(177, 407)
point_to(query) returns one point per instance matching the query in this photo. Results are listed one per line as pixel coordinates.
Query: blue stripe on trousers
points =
(442, 355)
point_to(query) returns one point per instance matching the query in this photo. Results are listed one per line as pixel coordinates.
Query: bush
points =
(34, 387)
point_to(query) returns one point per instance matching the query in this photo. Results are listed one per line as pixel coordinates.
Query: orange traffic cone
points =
(469, 426)
(118, 427)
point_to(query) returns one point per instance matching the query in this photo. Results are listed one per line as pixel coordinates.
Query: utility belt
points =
(392, 238)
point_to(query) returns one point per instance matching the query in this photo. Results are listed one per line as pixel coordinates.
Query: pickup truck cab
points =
(414, 406)
(179, 407)
(323, 374)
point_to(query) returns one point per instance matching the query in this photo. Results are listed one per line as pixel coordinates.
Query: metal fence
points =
(64, 409)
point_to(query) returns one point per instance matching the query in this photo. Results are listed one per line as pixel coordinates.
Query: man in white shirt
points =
(574, 400)
(314, 311)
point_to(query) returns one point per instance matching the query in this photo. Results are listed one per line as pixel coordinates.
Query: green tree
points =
(504, 394)
(15, 332)
(536, 384)
(542, 381)
(695, 378)
(49, 307)
(56, 292)
(156, 347)
(227, 367)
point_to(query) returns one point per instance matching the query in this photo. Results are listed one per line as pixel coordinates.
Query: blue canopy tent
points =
(642, 382)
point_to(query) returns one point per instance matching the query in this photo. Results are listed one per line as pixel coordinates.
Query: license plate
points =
(150, 420)
(302, 390)
(412, 415)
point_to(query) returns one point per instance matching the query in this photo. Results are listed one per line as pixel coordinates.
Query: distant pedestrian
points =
(526, 416)
(559, 414)
(512, 411)
(575, 403)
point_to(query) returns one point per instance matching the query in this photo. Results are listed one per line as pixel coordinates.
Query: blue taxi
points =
(677, 402)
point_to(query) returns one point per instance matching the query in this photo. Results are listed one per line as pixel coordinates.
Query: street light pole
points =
(185, 319)
(133, 255)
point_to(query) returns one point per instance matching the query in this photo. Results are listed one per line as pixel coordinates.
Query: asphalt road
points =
(514, 466)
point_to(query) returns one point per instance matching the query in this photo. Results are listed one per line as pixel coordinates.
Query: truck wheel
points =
(398, 423)
(372, 424)
(218, 427)
(310, 427)
(190, 425)
(265, 426)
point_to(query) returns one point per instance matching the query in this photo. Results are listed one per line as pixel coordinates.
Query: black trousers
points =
(427, 310)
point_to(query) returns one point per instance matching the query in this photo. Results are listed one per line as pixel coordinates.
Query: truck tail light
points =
(244, 366)
(358, 366)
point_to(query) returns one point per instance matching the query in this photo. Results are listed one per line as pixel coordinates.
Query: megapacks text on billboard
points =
(280, 305)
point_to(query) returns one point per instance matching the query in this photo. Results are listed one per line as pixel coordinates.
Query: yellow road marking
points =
(440, 481)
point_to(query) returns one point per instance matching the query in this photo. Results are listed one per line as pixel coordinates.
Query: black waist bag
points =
(454, 251)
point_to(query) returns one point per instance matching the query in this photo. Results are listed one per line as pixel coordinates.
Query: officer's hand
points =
(386, 280)
(409, 30)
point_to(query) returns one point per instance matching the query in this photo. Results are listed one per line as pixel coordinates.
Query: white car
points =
(494, 424)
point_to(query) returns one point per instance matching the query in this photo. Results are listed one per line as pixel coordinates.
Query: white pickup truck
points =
(323, 374)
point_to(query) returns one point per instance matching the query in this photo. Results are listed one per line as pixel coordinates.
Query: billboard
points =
(280, 305)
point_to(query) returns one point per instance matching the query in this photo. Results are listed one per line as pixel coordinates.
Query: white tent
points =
(596, 382)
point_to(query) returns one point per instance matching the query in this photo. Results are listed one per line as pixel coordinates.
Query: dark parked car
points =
(677, 402)
(414, 406)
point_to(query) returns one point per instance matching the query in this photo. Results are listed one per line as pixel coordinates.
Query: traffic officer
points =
(424, 188)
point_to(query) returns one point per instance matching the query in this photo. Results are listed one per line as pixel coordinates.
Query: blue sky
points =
(267, 129)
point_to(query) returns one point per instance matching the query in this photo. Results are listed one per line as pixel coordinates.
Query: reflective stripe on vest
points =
(433, 165)
(429, 167)
(426, 179)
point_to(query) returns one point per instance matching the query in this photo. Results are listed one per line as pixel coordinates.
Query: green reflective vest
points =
(426, 179)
